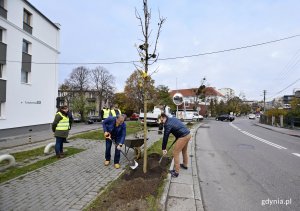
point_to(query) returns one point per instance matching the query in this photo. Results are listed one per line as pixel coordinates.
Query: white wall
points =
(43, 83)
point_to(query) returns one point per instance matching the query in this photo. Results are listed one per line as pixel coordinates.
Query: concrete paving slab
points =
(180, 204)
(183, 179)
(181, 190)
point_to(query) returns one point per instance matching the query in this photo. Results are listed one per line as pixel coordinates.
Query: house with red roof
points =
(192, 102)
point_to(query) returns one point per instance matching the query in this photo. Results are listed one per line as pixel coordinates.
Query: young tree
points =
(147, 57)
(103, 83)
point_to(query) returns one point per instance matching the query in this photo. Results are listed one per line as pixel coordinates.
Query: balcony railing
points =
(91, 99)
(27, 28)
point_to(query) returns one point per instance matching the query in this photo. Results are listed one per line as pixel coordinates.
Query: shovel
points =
(168, 150)
(132, 163)
(155, 165)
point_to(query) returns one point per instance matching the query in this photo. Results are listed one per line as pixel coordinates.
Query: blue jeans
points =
(59, 145)
(108, 149)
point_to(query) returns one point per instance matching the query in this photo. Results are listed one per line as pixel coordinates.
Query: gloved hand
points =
(107, 135)
(119, 147)
(164, 152)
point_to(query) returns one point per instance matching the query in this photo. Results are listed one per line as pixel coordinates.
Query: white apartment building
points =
(28, 90)
(228, 93)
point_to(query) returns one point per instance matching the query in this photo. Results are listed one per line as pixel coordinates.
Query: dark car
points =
(225, 117)
(95, 118)
(134, 117)
(77, 119)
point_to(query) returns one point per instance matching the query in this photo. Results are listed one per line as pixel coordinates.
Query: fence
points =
(281, 121)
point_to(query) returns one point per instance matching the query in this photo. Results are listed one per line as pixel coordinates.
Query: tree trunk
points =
(145, 136)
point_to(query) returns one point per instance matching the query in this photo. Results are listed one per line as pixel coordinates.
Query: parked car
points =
(226, 117)
(77, 119)
(251, 116)
(134, 117)
(95, 118)
(197, 117)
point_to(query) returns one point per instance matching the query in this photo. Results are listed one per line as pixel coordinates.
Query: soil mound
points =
(135, 186)
(155, 169)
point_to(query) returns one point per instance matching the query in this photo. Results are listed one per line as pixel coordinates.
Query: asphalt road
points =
(245, 167)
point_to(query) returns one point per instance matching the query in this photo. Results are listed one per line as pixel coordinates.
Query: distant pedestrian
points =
(61, 127)
(114, 129)
(115, 111)
(182, 135)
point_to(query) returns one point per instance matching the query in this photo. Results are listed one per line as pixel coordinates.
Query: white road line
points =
(297, 154)
(260, 139)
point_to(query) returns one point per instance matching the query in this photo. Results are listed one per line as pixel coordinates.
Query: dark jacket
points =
(117, 133)
(59, 133)
(176, 127)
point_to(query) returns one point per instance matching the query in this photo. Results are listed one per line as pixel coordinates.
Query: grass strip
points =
(14, 172)
(131, 128)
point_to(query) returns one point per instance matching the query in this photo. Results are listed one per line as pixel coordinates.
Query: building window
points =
(25, 47)
(27, 19)
(3, 11)
(24, 76)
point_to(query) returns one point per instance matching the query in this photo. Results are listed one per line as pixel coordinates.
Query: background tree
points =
(135, 92)
(163, 97)
(79, 83)
(104, 85)
(234, 104)
(147, 57)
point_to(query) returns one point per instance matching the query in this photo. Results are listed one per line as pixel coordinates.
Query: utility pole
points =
(265, 91)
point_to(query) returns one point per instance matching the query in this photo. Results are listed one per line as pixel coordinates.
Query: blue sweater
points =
(117, 133)
(176, 127)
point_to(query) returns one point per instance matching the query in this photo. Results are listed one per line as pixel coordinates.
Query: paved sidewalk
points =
(291, 132)
(30, 139)
(68, 184)
(183, 193)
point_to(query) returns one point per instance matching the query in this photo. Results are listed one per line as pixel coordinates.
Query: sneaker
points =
(117, 165)
(174, 173)
(183, 166)
(106, 163)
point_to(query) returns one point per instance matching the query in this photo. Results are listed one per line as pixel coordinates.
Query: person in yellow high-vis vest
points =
(115, 111)
(61, 127)
(105, 113)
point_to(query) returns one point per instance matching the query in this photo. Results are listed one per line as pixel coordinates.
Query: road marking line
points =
(260, 139)
(297, 154)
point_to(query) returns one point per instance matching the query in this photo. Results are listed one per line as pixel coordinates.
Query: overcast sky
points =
(107, 31)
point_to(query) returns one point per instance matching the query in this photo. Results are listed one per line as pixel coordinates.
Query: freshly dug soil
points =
(130, 192)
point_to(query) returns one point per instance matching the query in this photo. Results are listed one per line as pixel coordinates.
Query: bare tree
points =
(147, 57)
(79, 83)
(104, 84)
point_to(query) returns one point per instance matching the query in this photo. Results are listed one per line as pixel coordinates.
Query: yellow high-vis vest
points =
(64, 123)
(105, 113)
(113, 113)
